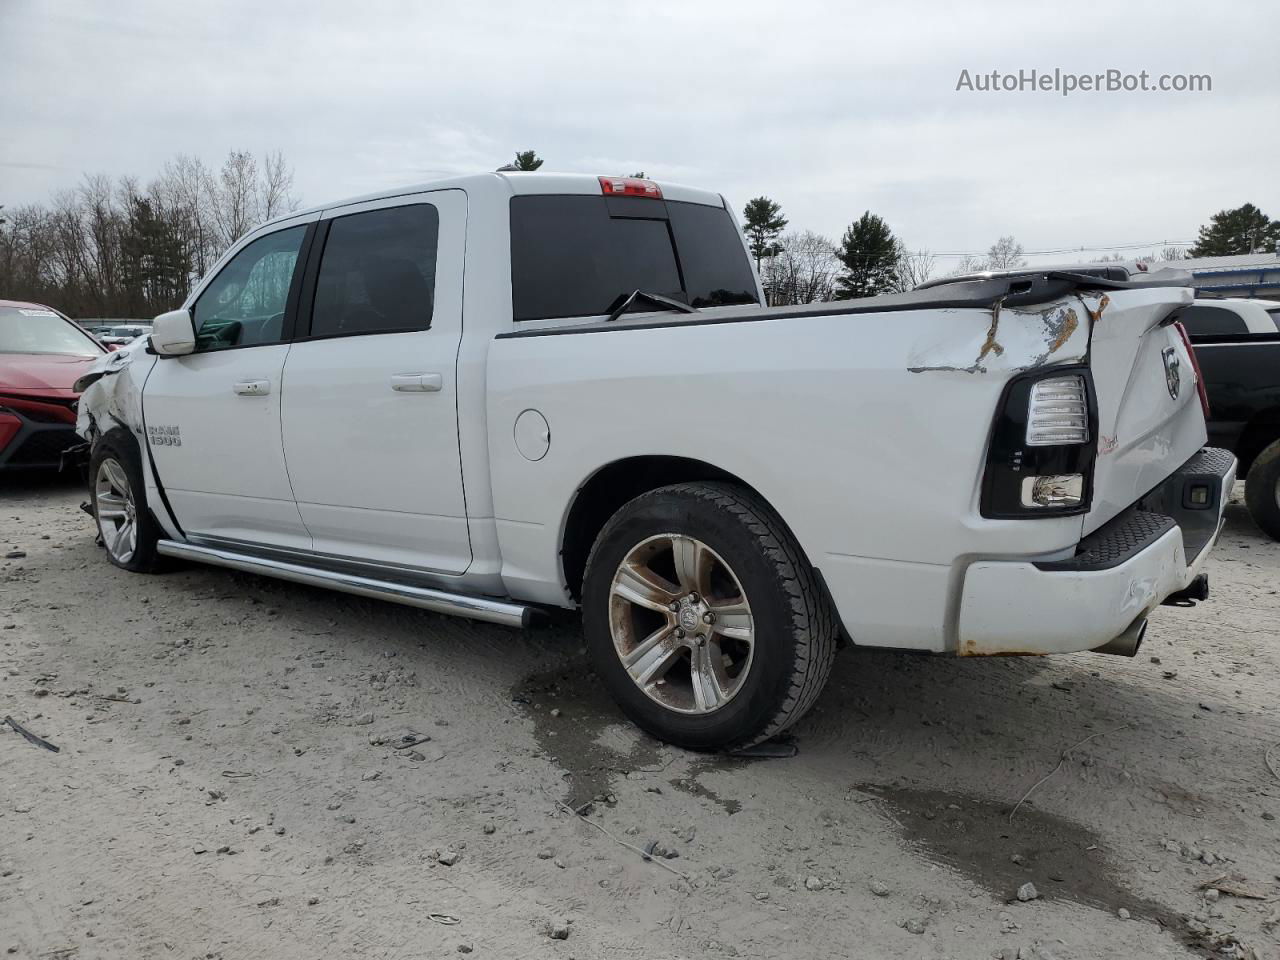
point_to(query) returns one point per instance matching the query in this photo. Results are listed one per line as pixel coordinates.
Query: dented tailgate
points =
(1149, 417)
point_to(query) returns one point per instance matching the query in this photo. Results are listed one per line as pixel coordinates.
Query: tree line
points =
(806, 267)
(119, 249)
(116, 248)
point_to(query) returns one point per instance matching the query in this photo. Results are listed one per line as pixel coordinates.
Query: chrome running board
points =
(506, 612)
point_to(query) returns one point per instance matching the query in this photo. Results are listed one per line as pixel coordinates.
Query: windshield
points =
(37, 330)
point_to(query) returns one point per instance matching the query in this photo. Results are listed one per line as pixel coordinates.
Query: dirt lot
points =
(224, 789)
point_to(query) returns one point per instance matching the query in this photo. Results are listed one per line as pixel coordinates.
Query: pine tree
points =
(869, 252)
(156, 259)
(762, 222)
(527, 160)
(1245, 229)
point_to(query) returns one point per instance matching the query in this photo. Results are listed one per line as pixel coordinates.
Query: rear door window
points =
(575, 256)
(377, 272)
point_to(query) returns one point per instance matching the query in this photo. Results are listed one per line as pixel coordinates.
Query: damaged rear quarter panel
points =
(1014, 339)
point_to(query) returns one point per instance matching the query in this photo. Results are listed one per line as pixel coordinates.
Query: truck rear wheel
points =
(118, 494)
(1262, 491)
(704, 619)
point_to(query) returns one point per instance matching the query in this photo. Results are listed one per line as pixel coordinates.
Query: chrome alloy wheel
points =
(681, 624)
(116, 510)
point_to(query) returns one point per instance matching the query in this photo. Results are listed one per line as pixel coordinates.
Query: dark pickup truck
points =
(1237, 344)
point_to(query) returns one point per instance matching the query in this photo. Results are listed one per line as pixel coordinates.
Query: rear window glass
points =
(1275, 317)
(716, 269)
(571, 258)
(1212, 321)
(378, 272)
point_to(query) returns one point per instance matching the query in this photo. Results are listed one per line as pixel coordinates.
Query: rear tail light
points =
(1040, 460)
(1195, 367)
(629, 187)
(1058, 412)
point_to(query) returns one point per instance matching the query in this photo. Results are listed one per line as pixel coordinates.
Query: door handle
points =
(252, 388)
(417, 382)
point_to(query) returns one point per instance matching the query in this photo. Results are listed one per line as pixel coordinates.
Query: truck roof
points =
(514, 183)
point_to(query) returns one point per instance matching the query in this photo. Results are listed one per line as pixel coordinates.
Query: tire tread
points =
(1262, 490)
(814, 624)
(124, 448)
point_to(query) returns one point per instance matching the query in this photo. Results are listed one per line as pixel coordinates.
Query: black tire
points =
(1262, 491)
(794, 626)
(120, 447)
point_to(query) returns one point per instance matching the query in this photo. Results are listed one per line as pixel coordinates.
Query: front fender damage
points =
(111, 393)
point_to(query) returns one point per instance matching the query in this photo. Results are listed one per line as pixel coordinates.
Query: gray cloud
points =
(830, 108)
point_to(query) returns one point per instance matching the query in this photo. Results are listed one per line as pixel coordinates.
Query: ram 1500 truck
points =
(501, 393)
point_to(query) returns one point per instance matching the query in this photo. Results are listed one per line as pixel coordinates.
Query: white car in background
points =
(118, 332)
(493, 394)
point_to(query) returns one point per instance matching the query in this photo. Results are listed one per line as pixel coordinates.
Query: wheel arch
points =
(1262, 430)
(162, 511)
(601, 495)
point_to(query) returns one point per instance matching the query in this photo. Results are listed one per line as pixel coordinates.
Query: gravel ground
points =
(233, 782)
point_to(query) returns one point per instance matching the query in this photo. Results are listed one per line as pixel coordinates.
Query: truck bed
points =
(1014, 289)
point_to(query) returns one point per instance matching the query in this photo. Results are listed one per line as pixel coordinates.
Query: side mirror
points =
(173, 334)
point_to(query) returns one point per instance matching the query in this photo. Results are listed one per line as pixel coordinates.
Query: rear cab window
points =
(578, 255)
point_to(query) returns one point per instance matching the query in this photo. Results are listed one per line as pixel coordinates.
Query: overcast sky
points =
(829, 108)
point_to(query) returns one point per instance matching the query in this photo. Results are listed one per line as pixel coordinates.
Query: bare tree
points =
(183, 193)
(803, 268)
(274, 197)
(1005, 254)
(913, 268)
(970, 265)
(235, 202)
(115, 248)
(1173, 253)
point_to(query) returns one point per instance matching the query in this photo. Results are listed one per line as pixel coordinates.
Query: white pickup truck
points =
(495, 394)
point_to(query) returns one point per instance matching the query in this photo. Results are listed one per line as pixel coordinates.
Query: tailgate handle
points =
(416, 382)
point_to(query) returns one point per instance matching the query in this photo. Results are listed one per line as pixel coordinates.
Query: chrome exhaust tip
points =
(1127, 644)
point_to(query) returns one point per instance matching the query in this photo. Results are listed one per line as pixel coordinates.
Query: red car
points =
(42, 353)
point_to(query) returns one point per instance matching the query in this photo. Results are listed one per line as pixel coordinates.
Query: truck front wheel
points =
(704, 619)
(1262, 490)
(118, 495)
